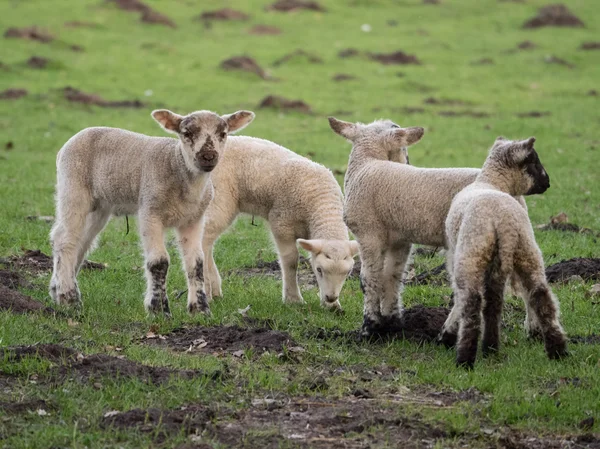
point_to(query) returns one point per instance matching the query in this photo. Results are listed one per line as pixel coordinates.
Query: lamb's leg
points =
(493, 299)
(288, 260)
(372, 283)
(469, 303)
(395, 263)
(66, 239)
(193, 262)
(220, 214)
(531, 324)
(157, 265)
(94, 223)
(449, 332)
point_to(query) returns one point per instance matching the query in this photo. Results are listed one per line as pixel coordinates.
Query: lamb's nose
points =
(208, 156)
(330, 298)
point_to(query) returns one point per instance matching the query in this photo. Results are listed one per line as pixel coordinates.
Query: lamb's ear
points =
(408, 136)
(167, 119)
(344, 129)
(312, 246)
(238, 120)
(353, 248)
(529, 143)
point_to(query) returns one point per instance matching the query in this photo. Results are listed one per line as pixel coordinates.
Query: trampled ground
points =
(292, 376)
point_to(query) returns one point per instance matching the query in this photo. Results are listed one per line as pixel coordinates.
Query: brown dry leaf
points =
(72, 323)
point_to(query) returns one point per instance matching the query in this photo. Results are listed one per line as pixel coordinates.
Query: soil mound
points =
(282, 103)
(339, 77)
(12, 94)
(224, 14)
(590, 46)
(587, 268)
(77, 96)
(420, 323)
(557, 15)
(397, 57)
(29, 33)
(35, 261)
(25, 406)
(38, 62)
(17, 302)
(148, 14)
(245, 64)
(298, 54)
(295, 5)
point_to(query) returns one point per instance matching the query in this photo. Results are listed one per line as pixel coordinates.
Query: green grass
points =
(124, 58)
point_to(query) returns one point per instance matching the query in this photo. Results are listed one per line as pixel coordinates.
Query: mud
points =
(13, 280)
(34, 261)
(555, 60)
(587, 268)
(224, 14)
(221, 339)
(271, 269)
(557, 15)
(244, 64)
(298, 54)
(12, 94)
(29, 33)
(264, 30)
(397, 57)
(534, 114)
(17, 302)
(38, 62)
(85, 368)
(14, 408)
(148, 15)
(590, 46)
(295, 5)
(339, 77)
(284, 104)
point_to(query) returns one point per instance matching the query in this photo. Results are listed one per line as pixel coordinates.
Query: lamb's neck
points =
(327, 222)
(182, 169)
(499, 179)
(363, 153)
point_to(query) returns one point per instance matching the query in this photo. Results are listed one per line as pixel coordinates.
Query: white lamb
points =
(109, 171)
(302, 203)
(389, 206)
(490, 236)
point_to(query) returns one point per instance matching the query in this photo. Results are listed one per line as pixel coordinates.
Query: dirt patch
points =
(35, 261)
(14, 408)
(421, 323)
(17, 302)
(560, 222)
(284, 104)
(587, 268)
(29, 33)
(534, 114)
(592, 339)
(557, 15)
(473, 114)
(224, 14)
(155, 17)
(223, 339)
(264, 30)
(556, 60)
(590, 46)
(271, 269)
(148, 14)
(348, 53)
(244, 64)
(77, 96)
(38, 62)
(75, 365)
(445, 101)
(447, 397)
(295, 5)
(397, 57)
(526, 45)
(298, 54)
(12, 94)
(13, 280)
(339, 77)
(80, 24)
(592, 93)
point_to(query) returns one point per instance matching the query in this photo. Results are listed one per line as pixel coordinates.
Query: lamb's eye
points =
(223, 135)
(320, 271)
(187, 135)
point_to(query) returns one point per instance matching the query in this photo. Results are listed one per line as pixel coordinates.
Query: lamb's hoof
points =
(556, 347)
(382, 327)
(71, 298)
(447, 339)
(535, 335)
(468, 364)
(294, 300)
(196, 307)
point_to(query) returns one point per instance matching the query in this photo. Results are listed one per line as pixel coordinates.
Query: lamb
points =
(490, 236)
(302, 202)
(109, 171)
(389, 206)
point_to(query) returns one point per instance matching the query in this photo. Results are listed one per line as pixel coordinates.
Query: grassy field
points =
(352, 394)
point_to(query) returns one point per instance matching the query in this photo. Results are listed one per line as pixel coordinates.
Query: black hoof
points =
(382, 327)
(466, 364)
(200, 306)
(447, 339)
(70, 298)
(556, 349)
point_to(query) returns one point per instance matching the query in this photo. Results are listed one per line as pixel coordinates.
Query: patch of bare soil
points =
(431, 2)
(37, 62)
(421, 323)
(526, 45)
(77, 96)
(17, 302)
(348, 53)
(13, 280)
(560, 222)
(29, 33)
(264, 30)
(591, 339)
(590, 46)
(518, 440)
(445, 101)
(282, 103)
(557, 15)
(534, 114)
(397, 57)
(35, 261)
(148, 14)
(75, 365)
(14, 408)
(223, 339)
(295, 5)
(80, 24)
(339, 77)
(245, 64)
(224, 14)
(12, 94)
(592, 93)
(587, 268)
(298, 54)
(473, 114)
(306, 276)
(556, 60)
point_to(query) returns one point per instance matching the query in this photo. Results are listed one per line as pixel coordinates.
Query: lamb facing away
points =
(303, 204)
(389, 206)
(109, 171)
(490, 236)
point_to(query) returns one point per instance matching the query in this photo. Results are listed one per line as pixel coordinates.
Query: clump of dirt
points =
(348, 53)
(52, 352)
(80, 24)
(590, 46)
(77, 96)
(264, 30)
(587, 268)
(299, 53)
(421, 323)
(526, 45)
(397, 57)
(148, 14)
(35, 261)
(12, 94)
(560, 222)
(282, 103)
(224, 14)
(17, 302)
(445, 101)
(534, 114)
(38, 62)
(223, 339)
(557, 15)
(29, 33)
(556, 60)
(339, 77)
(474, 114)
(245, 64)
(25, 406)
(13, 280)
(295, 5)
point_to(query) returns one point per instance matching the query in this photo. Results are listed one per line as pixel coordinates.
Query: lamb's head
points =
(518, 164)
(382, 139)
(202, 134)
(332, 262)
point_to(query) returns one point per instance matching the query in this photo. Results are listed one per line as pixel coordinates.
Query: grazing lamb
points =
(490, 236)
(389, 206)
(109, 171)
(303, 204)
